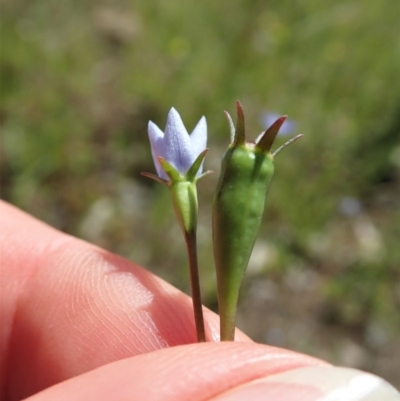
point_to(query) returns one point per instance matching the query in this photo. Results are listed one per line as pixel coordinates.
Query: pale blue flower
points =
(175, 145)
(350, 206)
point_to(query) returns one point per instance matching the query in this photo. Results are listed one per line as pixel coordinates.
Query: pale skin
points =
(80, 323)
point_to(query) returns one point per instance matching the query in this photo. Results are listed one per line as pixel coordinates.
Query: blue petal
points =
(156, 137)
(199, 140)
(177, 144)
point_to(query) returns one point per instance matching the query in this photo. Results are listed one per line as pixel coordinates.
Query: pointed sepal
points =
(286, 144)
(240, 135)
(172, 173)
(195, 167)
(154, 177)
(231, 126)
(208, 172)
(267, 139)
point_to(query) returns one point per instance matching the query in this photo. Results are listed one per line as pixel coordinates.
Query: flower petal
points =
(199, 136)
(177, 144)
(199, 140)
(156, 137)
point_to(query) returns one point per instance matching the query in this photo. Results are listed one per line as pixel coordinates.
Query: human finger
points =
(184, 373)
(69, 307)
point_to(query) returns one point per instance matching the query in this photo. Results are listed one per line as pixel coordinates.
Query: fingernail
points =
(320, 383)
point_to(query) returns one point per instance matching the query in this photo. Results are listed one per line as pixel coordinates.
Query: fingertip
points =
(315, 383)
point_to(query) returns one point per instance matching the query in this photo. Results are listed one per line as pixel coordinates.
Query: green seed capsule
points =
(246, 172)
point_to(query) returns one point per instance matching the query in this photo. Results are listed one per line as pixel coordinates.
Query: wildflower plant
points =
(246, 172)
(178, 158)
(247, 169)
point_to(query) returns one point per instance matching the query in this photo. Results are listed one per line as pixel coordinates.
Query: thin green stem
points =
(191, 245)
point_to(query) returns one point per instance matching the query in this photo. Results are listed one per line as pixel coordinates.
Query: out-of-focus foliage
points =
(80, 80)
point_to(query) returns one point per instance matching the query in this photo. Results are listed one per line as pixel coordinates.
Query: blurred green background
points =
(81, 79)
